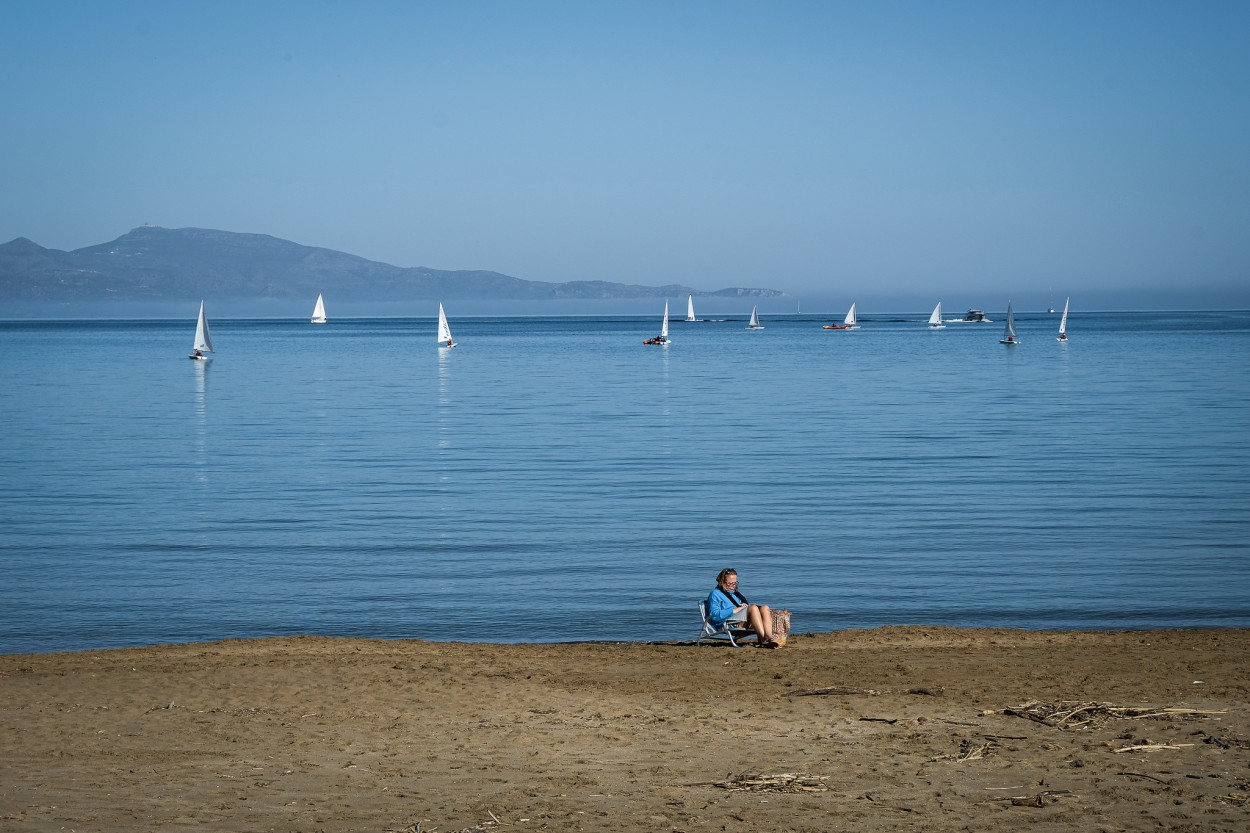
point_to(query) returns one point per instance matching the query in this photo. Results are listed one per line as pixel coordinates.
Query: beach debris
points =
(1147, 777)
(871, 692)
(1068, 715)
(1224, 742)
(782, 782)
(1150, 747)
(968, 751)
(1039, 800)
(484, 827)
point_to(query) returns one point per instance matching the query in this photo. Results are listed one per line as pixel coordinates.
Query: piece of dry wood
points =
(1144, 775)
(1077, 715)
(967, 752)
(872, 692)
(782, 782)
(1151, 747)
(1040, 800)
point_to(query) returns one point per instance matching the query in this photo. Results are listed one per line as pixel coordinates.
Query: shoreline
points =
(894, 728)
(653, 642)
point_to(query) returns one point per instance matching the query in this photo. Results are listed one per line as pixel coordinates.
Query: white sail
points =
(444, 330)
(755, 319)
(319, 311)
(203, 338)
(935, 318)
(1063, 322)
(1009, 331)
(850, 322)
(690, 308)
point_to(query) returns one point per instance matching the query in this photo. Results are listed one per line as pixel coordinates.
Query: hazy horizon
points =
(867, 308)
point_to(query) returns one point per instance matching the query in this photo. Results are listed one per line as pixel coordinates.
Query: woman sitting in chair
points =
(726, 604)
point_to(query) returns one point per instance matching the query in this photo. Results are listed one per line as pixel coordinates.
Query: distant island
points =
(181, 265)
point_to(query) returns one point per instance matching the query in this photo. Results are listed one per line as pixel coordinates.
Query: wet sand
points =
(909, 733)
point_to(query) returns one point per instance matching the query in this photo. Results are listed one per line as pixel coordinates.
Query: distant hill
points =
(159, 264)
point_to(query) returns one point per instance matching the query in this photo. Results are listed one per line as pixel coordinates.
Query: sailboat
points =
(319, 311)
(662, 338)
(444, 331)
(1063, 323)
(203, 338)
(755, 319)
(935, 318)
(1009, 332)
(848, 323)
(690, 308)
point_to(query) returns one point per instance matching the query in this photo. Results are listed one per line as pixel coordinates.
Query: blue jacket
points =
(720, 606)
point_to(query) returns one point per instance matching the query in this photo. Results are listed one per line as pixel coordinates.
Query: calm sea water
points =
(553, 479)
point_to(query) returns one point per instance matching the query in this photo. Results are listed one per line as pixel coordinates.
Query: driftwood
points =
(1039, 800)
(1077, 715)
(484, 827)
(1150, 747)
(1144, 775)
(968, 751)
(783, 782)
(872, 692)
(1227, 743)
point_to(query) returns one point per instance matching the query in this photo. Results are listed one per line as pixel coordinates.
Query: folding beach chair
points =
(733, 631)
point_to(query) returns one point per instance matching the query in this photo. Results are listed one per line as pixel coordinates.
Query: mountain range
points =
(159, 264)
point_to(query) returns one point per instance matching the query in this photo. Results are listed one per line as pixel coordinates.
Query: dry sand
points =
(311, 734)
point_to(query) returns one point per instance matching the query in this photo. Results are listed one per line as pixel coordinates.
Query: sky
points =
(914, 151)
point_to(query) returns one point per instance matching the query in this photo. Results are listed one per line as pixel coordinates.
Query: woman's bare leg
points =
(766, 614)
(760, 622)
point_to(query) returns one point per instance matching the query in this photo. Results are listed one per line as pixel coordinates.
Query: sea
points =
(553, 479)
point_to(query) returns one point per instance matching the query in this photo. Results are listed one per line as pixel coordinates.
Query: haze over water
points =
(553, 479)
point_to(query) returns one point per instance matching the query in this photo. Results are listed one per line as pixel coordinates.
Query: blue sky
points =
(968, 151)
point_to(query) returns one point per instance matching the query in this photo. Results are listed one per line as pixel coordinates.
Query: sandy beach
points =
(886, 729)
